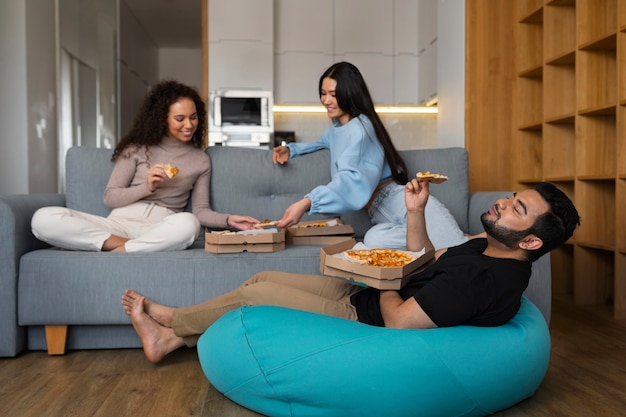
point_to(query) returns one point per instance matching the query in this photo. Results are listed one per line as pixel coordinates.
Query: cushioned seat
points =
(283, 362)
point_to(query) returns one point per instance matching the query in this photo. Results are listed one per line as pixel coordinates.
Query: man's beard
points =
(508, 237)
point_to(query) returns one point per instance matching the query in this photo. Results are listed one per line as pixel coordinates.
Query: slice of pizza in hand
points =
(431, 177)
(265, 224)
(170, 171)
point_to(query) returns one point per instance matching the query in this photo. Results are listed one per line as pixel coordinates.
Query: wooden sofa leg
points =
(55, 338)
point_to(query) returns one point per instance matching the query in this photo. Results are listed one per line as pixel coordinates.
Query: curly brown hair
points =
(150, 125)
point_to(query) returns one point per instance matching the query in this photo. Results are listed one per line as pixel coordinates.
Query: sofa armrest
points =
(539, 289)
(17, 239)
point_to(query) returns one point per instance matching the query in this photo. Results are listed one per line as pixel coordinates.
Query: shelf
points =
(595, 19)
(561, 263)
(531, 155)
(596, 147)
(530, 91)
(607, 42)
(602, 110)
(559, 19)
(530, 11)
(595, 71)
(619, 311)
(569, 118)
(621, 146)
(567, 58)
(530, 51)
(593, 276)
(620, 219)
(595, 201)
(559, 150)
(562, 97)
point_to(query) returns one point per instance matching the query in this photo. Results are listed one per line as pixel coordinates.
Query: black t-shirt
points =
(462, 287)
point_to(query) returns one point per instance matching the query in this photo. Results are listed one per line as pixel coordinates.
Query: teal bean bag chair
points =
(282, 362)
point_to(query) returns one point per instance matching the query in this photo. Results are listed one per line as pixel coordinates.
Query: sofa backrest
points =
(245, 181)
(87, 172)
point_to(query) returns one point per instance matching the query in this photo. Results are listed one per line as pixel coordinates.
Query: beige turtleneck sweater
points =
(128, 183)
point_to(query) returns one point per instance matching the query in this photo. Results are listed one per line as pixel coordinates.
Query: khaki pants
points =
(314, 293)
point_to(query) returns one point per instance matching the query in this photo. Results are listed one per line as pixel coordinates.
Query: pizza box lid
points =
(334, 226)
(347, 269)
(251, 247)
(244, 237)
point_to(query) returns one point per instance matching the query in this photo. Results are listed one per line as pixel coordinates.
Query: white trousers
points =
(149, 227)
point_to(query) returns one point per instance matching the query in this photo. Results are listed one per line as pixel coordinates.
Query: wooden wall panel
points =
(489, 93)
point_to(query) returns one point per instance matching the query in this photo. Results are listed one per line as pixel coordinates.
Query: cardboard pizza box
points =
(392, 278)
(312, 232)
(263, 240)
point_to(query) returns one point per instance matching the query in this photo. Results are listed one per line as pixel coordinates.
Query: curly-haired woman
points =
(148, 206)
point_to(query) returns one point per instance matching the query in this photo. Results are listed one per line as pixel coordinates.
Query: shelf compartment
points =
(559, 21)
(596, 76)
(620, 219)
(529, 10)
(530, 151)
(619, 311)
(595, 201)
(529, 91)
(621, 146)
(621, 56)
(596, 146)
(559, 97)
(595, 19)
(593, 276)
(530, 54)
(562, 271)
(559, 149)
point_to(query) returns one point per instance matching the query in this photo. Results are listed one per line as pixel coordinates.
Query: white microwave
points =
(238, 116)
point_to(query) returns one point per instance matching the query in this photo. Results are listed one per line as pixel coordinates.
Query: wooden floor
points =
(586, 377)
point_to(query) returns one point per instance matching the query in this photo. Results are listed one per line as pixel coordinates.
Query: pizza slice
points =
(383, 258)
(170, 171)
(266, 223)
(435, 178)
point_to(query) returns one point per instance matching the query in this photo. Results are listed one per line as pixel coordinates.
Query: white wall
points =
(184, 65)
(451, 74)
(27, 86)
(13, 140)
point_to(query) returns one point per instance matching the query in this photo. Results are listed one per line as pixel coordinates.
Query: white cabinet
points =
(379, 36)
(303, 48)
(241, 38)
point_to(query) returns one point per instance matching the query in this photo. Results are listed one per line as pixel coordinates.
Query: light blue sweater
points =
(357, 166)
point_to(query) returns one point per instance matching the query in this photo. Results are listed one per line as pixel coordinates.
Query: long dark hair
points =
(150, 125)
(353, 97)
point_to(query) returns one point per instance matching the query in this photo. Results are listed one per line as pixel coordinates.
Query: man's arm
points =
(416, 195)
(400, 314)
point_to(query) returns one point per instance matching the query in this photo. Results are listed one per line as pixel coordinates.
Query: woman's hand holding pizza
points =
(416, 194)
(280, 155)
(294, 213)
(241, 222)
(156, 175)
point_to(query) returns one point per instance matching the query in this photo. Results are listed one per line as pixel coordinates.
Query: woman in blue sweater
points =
(366, 169)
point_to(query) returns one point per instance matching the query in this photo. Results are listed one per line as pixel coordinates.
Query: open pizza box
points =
(319, 232)
(391, 278)
(258, 240)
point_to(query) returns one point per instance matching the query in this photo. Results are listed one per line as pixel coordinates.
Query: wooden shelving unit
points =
(570, 129)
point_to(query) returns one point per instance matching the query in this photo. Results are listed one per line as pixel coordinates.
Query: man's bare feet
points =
(160, 313)
(157, 340)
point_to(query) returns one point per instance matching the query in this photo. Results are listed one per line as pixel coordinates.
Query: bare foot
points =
(160, 313)
(157, 340)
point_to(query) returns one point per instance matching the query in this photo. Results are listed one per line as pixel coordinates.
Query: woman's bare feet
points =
(160, 313)
(157, 340)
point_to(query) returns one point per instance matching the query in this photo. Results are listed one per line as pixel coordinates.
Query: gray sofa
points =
(43, 286)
